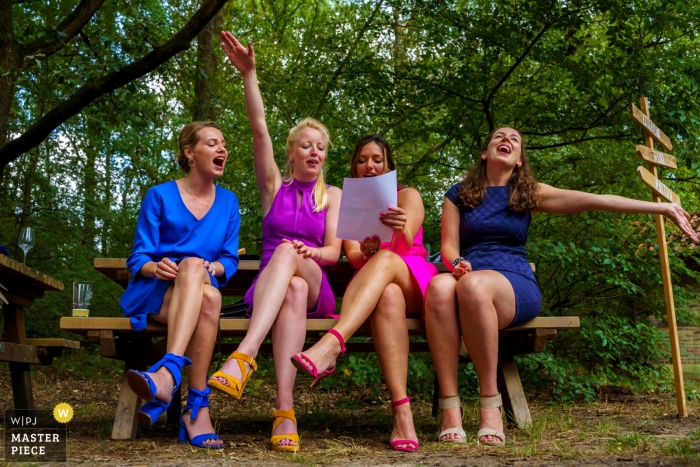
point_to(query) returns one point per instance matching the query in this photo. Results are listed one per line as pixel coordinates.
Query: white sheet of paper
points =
(362, 201)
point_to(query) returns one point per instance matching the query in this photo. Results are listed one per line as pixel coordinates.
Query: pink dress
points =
(416, 260)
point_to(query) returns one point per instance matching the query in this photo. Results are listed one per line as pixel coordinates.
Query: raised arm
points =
(558, 201)
(266, 171)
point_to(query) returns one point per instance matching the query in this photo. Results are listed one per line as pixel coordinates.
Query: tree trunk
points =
(207, 55)
(90, 185)
(8, 61)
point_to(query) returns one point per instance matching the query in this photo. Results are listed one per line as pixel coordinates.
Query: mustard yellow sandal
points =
(235, 387)
(279, 416)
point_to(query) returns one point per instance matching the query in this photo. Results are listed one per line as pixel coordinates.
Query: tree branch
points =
(43, 127)
(53, 42)
(346, 59)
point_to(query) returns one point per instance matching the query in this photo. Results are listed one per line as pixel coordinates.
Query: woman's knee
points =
(392, 303)
(211, 303)
(297, 292)
(441, 292)
(191, 269)
(284, 251)
(473, 290)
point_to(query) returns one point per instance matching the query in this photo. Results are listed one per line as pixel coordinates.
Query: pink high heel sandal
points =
(299, 359)
(396, 444)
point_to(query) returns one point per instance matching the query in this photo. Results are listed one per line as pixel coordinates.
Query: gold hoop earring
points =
(191, 162)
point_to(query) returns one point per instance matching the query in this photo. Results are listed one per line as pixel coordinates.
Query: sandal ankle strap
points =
(279, 413)
(244, 357)
(450, 403)
(491, 402)
(340, 339)
(196, 399)
(403, 401)
(174, 364)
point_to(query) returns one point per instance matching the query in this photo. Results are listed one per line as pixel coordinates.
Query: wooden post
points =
(666, 276)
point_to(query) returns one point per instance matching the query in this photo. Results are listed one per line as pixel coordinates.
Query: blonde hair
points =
(189, 137)
(320, 192)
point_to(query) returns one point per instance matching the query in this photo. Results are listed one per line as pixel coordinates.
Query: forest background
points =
(94, 93)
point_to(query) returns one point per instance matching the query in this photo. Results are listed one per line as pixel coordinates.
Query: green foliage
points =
(433, 76)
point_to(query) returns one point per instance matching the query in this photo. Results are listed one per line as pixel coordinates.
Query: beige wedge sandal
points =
(451, 403)
(494, 402)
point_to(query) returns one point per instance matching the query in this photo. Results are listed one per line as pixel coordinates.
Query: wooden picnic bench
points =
(118, 340)
(23, 285)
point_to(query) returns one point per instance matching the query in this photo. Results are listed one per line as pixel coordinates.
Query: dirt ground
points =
(352, 428)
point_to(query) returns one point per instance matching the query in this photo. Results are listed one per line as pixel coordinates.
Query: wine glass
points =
(26, 240)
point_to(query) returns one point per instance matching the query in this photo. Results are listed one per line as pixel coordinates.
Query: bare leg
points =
(288, 335)
(270, 292)
(486, 304)
(390, 336)
(361, 298)
(200, 350)
(181, 312)
(442, 329)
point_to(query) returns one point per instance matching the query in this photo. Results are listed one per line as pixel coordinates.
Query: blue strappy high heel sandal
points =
(144, 387)
(197, 399)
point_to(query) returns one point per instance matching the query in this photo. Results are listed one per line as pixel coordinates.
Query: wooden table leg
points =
(514, 401)
(19, 372)
(125, 422)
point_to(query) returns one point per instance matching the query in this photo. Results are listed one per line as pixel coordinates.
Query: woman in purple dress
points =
(485, 220)
(300, 214)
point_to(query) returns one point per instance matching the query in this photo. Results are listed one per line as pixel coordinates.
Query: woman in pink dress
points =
(389, 286)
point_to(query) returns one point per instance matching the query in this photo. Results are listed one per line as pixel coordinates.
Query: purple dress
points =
(288, 218)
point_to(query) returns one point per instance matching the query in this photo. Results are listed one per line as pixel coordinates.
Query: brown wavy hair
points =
(524, 190)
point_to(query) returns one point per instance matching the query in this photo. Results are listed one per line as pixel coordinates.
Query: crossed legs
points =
(384, 291)
(190, 308)
(288, 287)
(477, 305)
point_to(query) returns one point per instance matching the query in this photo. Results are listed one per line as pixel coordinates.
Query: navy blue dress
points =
(166, 228)
(492, 237)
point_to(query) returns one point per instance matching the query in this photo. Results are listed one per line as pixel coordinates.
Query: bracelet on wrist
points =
(457, 260)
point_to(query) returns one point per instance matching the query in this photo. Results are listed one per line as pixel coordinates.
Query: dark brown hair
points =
(524, 191)
(386, 149)
(189, 137)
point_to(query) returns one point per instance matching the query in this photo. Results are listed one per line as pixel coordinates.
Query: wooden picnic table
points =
(24, 285)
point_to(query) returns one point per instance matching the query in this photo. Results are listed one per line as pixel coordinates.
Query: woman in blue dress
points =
(186, 247)
(485, 220)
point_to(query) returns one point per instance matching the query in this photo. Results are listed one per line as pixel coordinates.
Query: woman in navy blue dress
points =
(485, 220)
(185, 248)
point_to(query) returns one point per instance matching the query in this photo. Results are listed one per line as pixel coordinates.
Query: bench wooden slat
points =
(54, 342)
(81, 325)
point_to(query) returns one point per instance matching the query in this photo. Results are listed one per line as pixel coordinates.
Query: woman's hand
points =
(681, 218)
(240, 57)
(308, 252)
(211, 268)
(166, 270)
(464, 267)
(369, 246)
(395, 219)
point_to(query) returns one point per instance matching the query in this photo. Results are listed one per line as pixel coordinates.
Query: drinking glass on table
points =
(26, 240)
(82, 294)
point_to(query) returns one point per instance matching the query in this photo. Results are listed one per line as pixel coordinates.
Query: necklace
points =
(193, 197)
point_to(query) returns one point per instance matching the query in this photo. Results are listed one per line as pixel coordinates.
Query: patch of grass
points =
(631, 442)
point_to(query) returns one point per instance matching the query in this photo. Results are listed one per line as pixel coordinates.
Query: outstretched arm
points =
(558, 201)
(266, 171)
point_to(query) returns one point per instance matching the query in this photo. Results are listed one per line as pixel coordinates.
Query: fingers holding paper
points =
(394, 218)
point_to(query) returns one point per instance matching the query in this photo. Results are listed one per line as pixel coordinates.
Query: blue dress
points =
(492, 237)
(166, 228)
